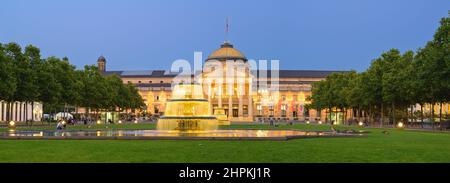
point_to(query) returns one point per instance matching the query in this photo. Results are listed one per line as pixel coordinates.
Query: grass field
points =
(397, 146)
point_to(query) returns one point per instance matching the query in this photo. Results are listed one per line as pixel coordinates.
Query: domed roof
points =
(101, 58)
(226, 52)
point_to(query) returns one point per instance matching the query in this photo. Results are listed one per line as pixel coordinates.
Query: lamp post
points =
(361, 123)
(12, 124)
(400, 125)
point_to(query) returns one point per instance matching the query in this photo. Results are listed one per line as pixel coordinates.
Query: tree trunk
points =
(15, 111)
(413, 111)
(357, 115)
(421, 115)
(11, 111)
(393, 114)
(345, 116)
(32, 112)
(382, 115)
(432, 115)
(23, 115)
(329, 113)
(7, 112)
(336, 117)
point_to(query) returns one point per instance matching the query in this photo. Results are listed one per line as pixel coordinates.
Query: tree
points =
(90, 94)
(441, 57)
(50, 89)
(396, 88)
(33, 61)
(8, 82)
(136, 101)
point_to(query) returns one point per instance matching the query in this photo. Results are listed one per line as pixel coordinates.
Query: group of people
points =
(61, 124)
(272, 121)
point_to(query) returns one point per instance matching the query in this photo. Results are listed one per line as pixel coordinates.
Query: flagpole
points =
(226, 30)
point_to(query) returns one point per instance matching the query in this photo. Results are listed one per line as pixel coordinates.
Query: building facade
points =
(284, 94)
(20, 111)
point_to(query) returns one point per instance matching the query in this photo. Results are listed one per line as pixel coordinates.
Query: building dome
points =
(101, 59)
(226, 52)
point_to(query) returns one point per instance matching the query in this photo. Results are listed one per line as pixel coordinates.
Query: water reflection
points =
(172, 133)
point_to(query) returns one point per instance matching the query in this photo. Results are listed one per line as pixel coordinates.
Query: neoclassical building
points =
(20, 111)
(246, 95)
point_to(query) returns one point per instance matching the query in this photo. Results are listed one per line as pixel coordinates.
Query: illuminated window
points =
(259, 108)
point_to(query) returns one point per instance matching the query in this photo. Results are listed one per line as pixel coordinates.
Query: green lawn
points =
(397, 146)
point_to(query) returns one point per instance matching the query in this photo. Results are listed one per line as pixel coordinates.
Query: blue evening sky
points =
(150, 34)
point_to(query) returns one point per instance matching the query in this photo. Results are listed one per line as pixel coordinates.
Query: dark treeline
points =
(394, 83)
(26, 77)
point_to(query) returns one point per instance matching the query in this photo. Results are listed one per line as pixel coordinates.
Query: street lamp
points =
(361, 123)
(400, 125)
(12, 124)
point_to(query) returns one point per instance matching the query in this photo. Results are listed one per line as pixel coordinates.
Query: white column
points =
(241, 107)
(220, 97)
(230, 107)
(1, 111)
(250, 107)
(30, 111)
(288, 110)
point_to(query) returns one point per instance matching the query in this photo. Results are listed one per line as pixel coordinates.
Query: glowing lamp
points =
(12, 124)
(360, 123)
(307, 122)
(120, 121)
(135, 121)
(400, 125)
(320, 122)
(98, 121)
(63, 122)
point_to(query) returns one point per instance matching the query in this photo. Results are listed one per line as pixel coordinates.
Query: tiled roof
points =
(143, 73)
(300, 73)
(153, 84)
(166, 73)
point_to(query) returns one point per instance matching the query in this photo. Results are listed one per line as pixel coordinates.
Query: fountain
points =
(187, 116)
(187, 111)
(219, 113)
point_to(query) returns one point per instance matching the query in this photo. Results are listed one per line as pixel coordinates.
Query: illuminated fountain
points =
(188, 110)
(187, 116)
(219, 113)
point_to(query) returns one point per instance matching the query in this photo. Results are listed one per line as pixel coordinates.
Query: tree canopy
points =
(394, 81)
(27, 77)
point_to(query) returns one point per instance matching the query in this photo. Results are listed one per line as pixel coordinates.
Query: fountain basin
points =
(170, 135)
(196, 123)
